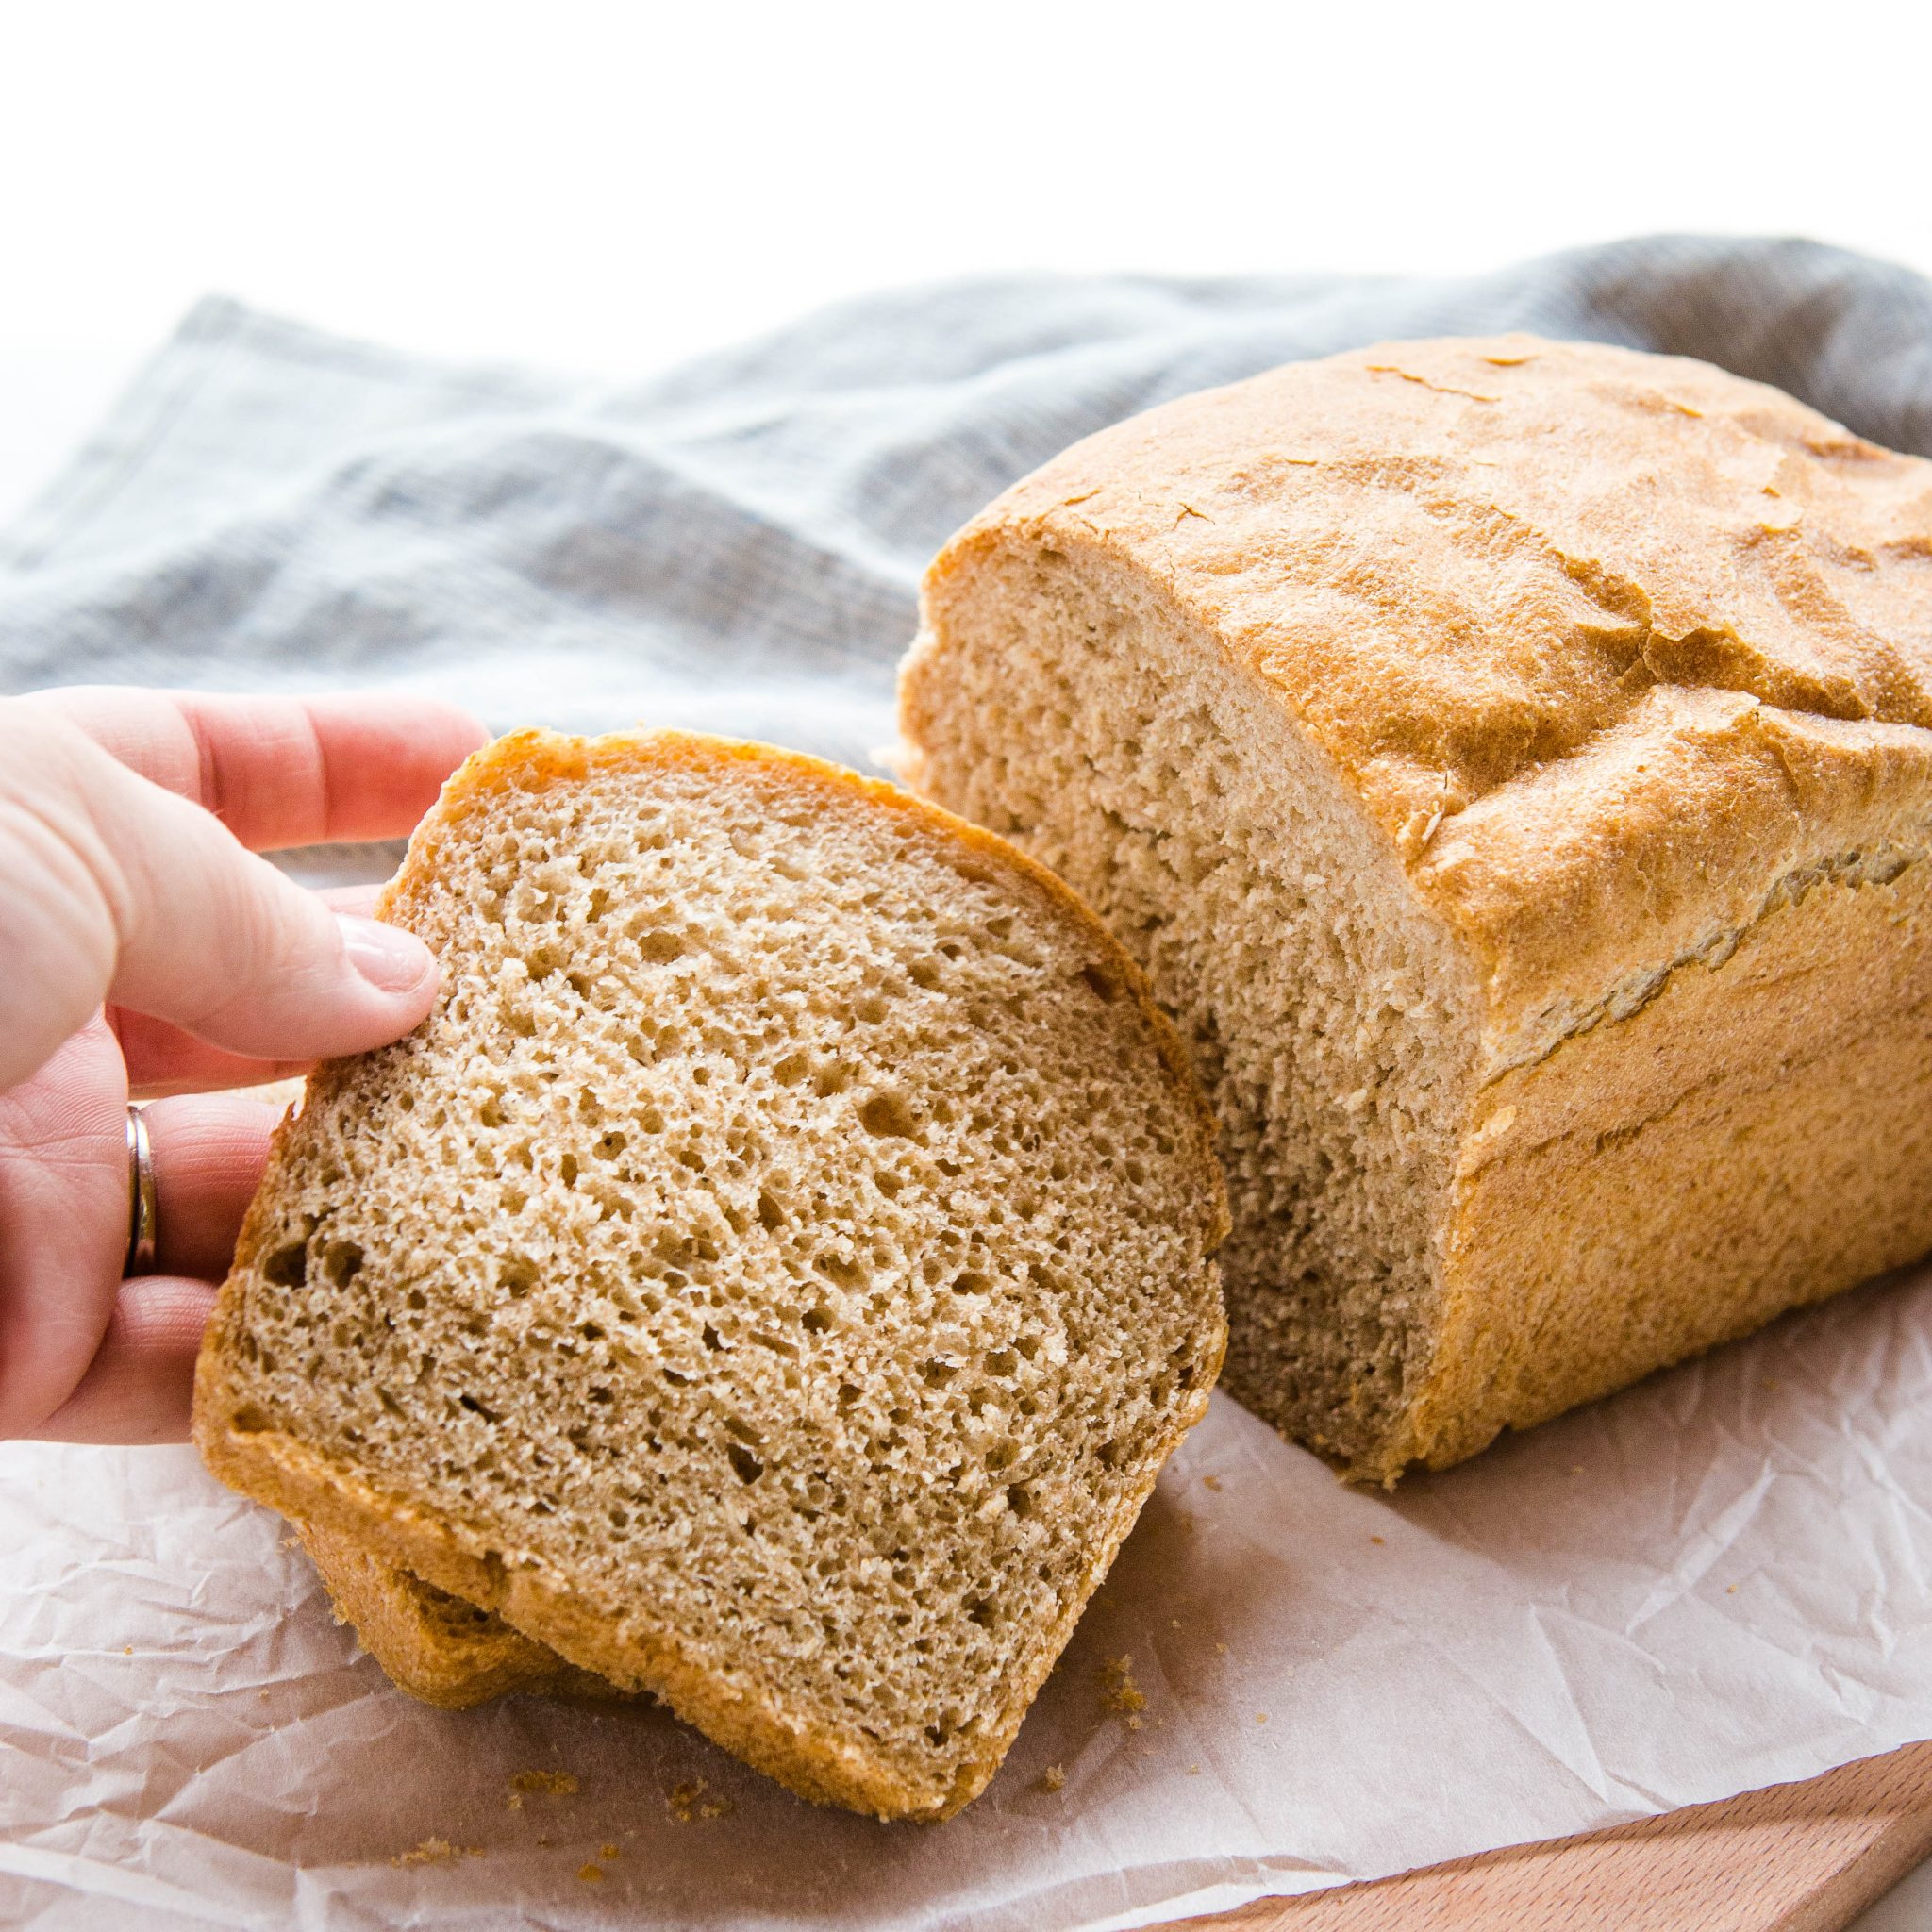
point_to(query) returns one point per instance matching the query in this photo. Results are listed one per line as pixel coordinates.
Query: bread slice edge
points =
(287, 1475)
(399, 1621)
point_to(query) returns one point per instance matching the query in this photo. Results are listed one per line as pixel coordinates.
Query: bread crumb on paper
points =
(436, 1850)
(1119, 1693)
(591, 1875)
(1212, 1482)
(1221, 1650)
(552, 1783)
(694, 1801)
(1053, 1778)
(608, 1851)
(1375, 1539)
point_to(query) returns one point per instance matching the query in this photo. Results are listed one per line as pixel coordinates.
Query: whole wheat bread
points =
(773, 1276)
(429, 1644)
(1512, 761)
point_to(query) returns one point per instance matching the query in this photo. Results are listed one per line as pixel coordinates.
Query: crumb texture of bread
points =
(1511, 761)
(773, 1276)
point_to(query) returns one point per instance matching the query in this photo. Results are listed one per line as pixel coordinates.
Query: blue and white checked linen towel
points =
(1718, 1580)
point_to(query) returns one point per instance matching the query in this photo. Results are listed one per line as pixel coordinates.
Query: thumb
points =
(176, 918)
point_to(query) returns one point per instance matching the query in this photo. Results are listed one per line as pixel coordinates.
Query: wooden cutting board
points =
(1803, 1857)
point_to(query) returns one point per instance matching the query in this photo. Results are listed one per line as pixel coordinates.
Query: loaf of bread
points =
(1511, 761)
(773, 1276)
(430, 1644)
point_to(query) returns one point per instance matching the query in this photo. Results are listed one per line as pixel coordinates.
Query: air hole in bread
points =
(287, 1266)
(841, 1272)
(340, 1262)
(887, 1116)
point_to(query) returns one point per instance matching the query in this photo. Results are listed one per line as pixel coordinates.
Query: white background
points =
(609, 187)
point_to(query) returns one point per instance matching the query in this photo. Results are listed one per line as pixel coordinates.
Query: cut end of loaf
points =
(1072, 709)
(773, 1276)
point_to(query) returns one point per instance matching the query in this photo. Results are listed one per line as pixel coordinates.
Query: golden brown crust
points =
(434, 1646)
(288, 1475)
(1756, 1137)
(1606, 644)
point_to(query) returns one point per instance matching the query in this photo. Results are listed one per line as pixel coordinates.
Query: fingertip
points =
(453, 729)
(469, 725)
(438, 721)
(396, 962)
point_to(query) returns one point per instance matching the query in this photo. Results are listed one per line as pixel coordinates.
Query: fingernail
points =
(385, 956)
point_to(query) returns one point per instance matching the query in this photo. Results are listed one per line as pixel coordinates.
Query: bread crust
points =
(1607, 645)
(1734, 1148)
(622, 1645)
(439, 1649)
(1628, 663)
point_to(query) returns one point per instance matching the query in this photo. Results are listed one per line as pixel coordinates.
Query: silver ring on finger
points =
(144, 1201)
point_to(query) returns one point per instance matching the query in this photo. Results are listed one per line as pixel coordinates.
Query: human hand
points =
(146, 951)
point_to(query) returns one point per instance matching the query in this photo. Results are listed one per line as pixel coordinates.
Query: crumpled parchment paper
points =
(1715, 1581)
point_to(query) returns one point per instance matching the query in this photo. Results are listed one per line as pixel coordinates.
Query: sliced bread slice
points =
(775, 1274)
(433, 1645)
